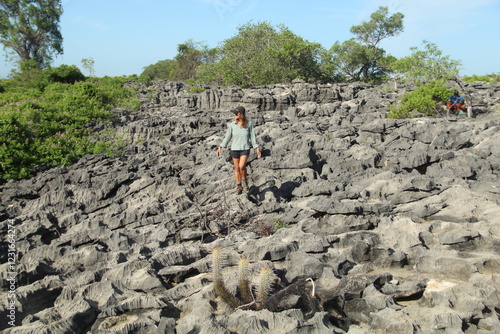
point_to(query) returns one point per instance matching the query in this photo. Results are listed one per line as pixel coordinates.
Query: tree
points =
(260, 54)
(88, 64)
(68, 74)
(352, 59)
(380, 26)
(190, 55)
(30, 28)
(360, 58)
(161, 70)
(298, 57)
(426, 65)
(246, 60)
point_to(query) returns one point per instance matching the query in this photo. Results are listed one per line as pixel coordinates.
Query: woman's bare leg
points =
(243, 166)
(237, 171)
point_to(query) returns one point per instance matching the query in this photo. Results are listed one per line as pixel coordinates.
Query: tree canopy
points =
(30, 28)
(426, 64)
(260, 54)
(380, 26)
(190, 55)
(360, 58)
(158, 71)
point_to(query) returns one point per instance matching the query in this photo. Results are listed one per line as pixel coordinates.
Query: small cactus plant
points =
(244, 282)
(242, 296)
(219, 286)
(265, 283)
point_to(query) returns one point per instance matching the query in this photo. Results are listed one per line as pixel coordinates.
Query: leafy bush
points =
(159, 71)
(196, 89)
(114, 95)
(279, 224)
(52, 127)
(425, 65)
(427, 100)
(490, 78)
(64, 74)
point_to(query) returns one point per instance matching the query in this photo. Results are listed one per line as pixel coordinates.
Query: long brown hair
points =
(243, 120)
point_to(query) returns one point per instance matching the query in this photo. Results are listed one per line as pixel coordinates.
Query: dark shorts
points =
(238, 154)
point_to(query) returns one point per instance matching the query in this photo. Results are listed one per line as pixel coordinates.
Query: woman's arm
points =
(227, 138)
(229, 135)
(253, 138)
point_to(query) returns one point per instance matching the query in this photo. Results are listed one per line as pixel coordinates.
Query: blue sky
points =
(124, 36)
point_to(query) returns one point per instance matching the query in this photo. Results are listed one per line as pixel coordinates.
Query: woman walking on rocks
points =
(242, 135)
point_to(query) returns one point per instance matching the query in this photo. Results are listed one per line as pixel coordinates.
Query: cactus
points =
(244, 282)
(243, 297)
(216, 263)
(265, 282)
(219, 286)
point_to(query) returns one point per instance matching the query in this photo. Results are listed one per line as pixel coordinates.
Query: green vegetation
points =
(30, 29)
(360, 58)
(88, 64)
(158, 71)
(269, 56)
(489, 78)
(62, 74)
(49, 121)
(427, 100)
(426, 65)
(196, 89)
(260, 54)
(279, 224)
(428, 69)
(184, 67)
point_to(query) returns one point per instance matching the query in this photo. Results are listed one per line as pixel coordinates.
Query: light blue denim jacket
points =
(242, 138)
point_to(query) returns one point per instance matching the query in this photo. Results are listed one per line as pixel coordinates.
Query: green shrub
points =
(64, 74)
(489, 78)
(279, 224)
(114, 95)
(160, 71)
(52, 127)
(427, 100)
(196, 89)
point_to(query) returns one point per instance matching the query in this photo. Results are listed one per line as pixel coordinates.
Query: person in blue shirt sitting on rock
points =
(241, 133)
(456, 103)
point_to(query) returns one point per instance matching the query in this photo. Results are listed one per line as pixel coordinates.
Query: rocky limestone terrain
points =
(365, 224)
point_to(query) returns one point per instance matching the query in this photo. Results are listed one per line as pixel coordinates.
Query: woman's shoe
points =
(244, 183)
(239, 189)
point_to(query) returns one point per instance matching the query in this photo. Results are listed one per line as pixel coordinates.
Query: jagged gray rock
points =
(394, 221)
